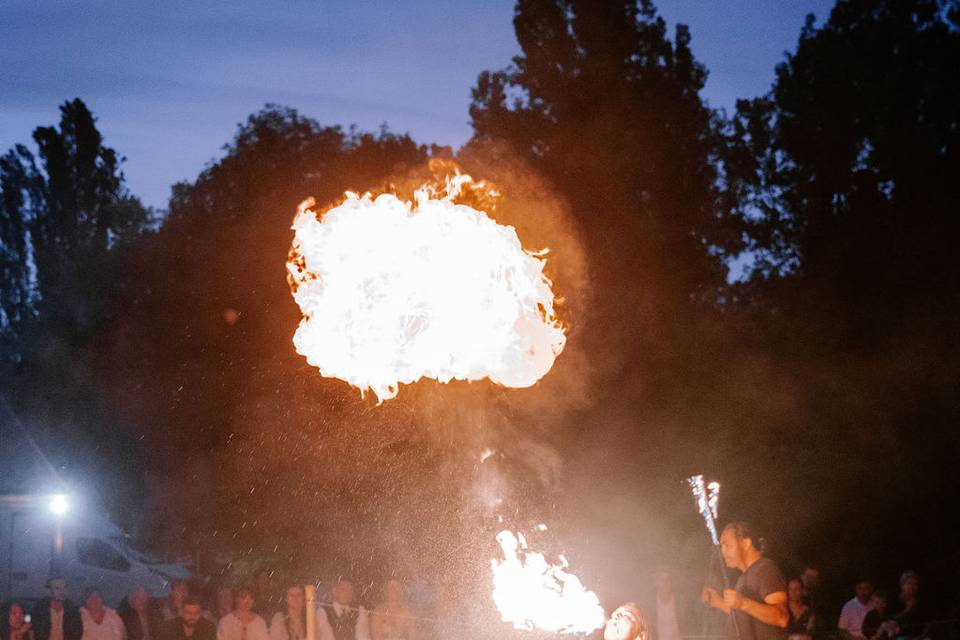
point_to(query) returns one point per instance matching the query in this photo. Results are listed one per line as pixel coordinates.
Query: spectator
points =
(189, 625)
(666, 625)
(99, 621)
(55, 617)
(802, 619)
(854, 611)
(242, 623)
(759, 599)
(292, 623)
(138, 617)
(340, 620)
(626, 623)
(877, 624)
(393, 619)
(179, 591)
(912, 616)
(810, 578)
(14, 625)
(222, 604)
(266, 598)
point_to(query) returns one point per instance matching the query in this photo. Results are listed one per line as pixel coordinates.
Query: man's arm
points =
(714, 599)
(772, 611)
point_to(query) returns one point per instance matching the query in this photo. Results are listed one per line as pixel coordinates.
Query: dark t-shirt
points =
(760, 579)
(172, 629)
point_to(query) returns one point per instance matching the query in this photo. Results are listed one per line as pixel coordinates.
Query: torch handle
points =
(726, 585)
(310, 591)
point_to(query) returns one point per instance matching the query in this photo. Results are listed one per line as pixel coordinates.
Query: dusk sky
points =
(169, 81)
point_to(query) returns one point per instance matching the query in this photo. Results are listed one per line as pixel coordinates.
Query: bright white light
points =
(533, 593)
(392, 291)
(59, 504)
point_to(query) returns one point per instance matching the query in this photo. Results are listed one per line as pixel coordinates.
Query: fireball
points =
(394, 290)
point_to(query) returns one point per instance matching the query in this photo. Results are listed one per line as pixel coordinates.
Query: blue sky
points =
(169, 80)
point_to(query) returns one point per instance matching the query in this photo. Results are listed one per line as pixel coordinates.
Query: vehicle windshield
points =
(137, 554)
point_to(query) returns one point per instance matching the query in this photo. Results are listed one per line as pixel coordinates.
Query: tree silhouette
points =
(847, 172)
(63, 222)
(848, 166)
(207, 327)
(607, 108)
(66, 224)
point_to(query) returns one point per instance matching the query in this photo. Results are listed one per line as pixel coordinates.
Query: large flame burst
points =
(531, 592)
(394, 290)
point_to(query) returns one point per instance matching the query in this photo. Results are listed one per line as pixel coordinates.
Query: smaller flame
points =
(532, 593)
(706, 504)
(713, 498)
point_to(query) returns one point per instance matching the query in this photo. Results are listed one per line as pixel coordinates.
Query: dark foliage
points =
(607, 107)
(847, 172)
(66, 223)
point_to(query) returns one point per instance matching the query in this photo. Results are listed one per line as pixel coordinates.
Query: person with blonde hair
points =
(627, 622)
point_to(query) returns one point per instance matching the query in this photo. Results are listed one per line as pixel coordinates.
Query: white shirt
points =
(231, 628)
(667, 627)
(362, 632)
(278, 627)
(851, 617)
(111, 628)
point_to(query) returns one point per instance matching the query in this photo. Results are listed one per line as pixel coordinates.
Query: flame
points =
(707, 498)
(533, 593)
(713, 499)
(392, 291)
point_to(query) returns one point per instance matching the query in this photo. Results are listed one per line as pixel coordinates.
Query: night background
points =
(751, 212)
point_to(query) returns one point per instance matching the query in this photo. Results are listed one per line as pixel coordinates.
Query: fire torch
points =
(707, 497)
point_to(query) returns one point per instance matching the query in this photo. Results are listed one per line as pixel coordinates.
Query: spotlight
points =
(59, 504)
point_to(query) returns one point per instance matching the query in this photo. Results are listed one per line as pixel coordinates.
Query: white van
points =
(41, 537)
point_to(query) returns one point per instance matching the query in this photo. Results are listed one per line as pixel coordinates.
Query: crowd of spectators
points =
(264, 612)
(246, 613)
(868, 615)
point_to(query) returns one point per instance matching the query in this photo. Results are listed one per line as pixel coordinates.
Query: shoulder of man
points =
(768, 577)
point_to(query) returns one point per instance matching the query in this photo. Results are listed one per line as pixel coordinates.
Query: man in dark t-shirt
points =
(189, 625)
(758, 602)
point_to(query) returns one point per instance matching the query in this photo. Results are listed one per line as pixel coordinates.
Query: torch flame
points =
(533, 593)
(392, 291)
(707, 498)
(713, 499)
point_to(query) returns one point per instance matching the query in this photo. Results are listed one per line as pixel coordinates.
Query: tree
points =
(62, 225)
(607, 107)
(204, 343)
(66, 223)
(847, 171)
(847, 167)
